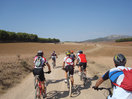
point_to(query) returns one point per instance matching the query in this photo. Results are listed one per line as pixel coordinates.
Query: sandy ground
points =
(56, 88)
(99, 61)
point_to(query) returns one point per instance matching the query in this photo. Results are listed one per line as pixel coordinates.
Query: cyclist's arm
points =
(48, 66)
(102, 79)
(63, 64)
(99, 82)
(77, 61)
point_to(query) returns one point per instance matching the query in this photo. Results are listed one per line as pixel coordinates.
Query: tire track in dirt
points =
(56, 88)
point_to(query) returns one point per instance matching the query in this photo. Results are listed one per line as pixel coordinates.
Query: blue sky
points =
(67, 20)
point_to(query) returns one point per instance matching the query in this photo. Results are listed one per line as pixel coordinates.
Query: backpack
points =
(72, 56)
(69, 61)
(127, 81)
(38, 61)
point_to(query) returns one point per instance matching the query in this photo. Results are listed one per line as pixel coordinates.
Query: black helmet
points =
(119, 60)
(80, 51)
(40, 53)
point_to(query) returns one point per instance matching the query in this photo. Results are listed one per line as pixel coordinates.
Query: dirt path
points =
(56, 87)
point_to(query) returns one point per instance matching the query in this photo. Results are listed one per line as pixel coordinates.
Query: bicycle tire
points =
(53, 63)
(70, 88)
(84, 79)
(45, 89)
(37, 93)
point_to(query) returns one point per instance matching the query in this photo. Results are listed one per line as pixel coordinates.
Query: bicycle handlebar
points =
(47, 72)
(101, 88)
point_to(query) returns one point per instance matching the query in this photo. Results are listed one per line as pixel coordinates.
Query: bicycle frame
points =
(38, 87)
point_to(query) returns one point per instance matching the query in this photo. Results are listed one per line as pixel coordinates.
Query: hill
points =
(108, 38)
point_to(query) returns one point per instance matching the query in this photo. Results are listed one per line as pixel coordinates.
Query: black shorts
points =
(70, 69)
(83, 64)
(40, 72)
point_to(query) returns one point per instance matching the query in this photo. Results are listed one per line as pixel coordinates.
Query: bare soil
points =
(99, 56)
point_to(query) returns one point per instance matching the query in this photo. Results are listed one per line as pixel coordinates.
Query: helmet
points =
(119, 60)
(68, 53)
(71, 51)
(40, 53)
(80, 51)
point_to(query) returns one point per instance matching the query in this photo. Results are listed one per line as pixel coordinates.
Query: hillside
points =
(108, 38)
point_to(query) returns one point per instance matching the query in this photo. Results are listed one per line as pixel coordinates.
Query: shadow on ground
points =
(53, 81)
(76, 91)
(78, 88)
(57, 94)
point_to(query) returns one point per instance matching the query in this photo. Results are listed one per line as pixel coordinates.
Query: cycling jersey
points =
(117, 76)
(82, 58)
(43, 62)
(68, 61)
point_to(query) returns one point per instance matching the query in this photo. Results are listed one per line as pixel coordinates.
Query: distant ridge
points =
(108, 38)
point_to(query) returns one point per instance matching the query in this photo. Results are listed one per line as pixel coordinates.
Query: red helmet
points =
(72, 51)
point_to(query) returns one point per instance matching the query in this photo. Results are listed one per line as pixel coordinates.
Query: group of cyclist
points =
(116, 75)
(69, 65)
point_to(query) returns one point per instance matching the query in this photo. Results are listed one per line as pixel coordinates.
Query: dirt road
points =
(56, 88)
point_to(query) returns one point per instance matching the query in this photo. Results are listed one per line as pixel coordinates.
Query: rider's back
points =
(116, 75)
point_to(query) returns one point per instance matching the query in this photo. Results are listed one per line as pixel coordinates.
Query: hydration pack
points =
(38, 61)
(127, 81)
(72, 56)
(69, 61)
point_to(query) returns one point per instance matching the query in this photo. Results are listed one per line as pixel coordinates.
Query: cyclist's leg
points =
(66, 70)
(84, 67)
(80, 64)
(71, 71)
(42, 79)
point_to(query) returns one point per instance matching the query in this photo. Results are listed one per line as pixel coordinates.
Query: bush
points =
(124, 40)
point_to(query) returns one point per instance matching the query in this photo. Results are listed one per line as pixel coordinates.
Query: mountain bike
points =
(69, 84)
(83, 75)
(102, 88)
(38, 88)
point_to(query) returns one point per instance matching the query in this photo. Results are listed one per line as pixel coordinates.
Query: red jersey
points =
(82, 58)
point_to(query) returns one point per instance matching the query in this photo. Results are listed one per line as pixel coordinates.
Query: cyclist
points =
(72, 56)
(116, 76)
(81, 61)
(54, 56)
(68, 65)
(38, 69)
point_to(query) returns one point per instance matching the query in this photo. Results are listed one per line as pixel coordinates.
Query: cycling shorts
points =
(70, 69)
(53, 58)
(40, 72)
(83, 64)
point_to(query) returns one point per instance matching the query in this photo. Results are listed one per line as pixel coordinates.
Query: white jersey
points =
(118, 92)
(68, 61)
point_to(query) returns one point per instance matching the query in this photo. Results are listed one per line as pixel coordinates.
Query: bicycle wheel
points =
(81, 76)
(44, 94)
(35, 82)
(37, 93)
(53, 63)
(84, 79)
(70, 88)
